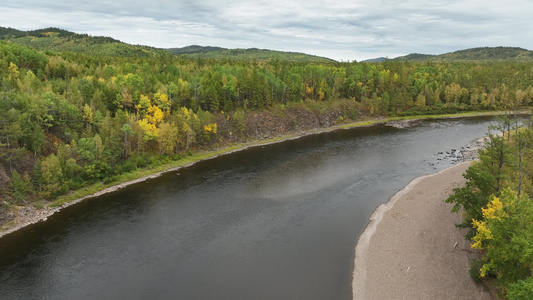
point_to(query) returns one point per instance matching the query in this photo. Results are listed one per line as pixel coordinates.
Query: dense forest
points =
(497, 205)
(73, 118)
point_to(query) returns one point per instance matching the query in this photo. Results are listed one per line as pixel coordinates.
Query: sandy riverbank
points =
(411, 248)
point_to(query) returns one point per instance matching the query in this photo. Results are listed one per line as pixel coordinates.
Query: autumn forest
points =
(73, 118)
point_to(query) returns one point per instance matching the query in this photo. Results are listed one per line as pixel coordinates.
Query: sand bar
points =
(411, 248)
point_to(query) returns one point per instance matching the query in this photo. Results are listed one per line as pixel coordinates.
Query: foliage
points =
(475, 270)
(485, 177)
(476, 54)
(52, 175)
(19, 186)
(246, 54)
(506, 235)
(57, 40)
(521, 290)
(87, 109)
(496, 202)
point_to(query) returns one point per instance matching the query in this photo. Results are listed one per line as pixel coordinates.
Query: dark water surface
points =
(273, 222)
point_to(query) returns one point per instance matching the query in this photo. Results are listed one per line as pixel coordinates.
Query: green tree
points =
(19, 186)
(52, 175)
(485, 177)
(126, 129)
(38, 175)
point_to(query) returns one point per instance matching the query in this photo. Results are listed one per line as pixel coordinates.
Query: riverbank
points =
(411, 248)
(27, 215)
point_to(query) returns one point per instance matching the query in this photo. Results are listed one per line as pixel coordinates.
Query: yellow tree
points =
(505, 234)
(87, 115)
(185, 119)
(13, 71)
(161, 100)
(149, 130)
(154, 115)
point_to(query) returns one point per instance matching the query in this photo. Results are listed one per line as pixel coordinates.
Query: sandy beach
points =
(411, 248)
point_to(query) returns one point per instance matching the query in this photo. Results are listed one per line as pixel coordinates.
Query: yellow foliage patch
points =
(210, 128)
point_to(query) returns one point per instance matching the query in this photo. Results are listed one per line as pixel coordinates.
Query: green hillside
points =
(246, 54)
(508, 54)
(55, 39)
(194, 49)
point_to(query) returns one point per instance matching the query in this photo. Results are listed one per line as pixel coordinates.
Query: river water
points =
(274, 222)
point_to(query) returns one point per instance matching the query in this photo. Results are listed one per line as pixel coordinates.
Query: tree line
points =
(498, 208)
(68, 119)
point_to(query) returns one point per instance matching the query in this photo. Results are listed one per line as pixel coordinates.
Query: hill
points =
(57, 40)
(246, 54)
(194, 49)
(508, 54)
(373, 60)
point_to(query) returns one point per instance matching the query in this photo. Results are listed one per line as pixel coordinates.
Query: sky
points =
(341, 30)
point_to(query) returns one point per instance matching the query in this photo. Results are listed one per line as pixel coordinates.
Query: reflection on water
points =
(272, 222)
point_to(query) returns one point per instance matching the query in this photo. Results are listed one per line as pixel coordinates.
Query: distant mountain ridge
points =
(475, 54)
(247, 54)
(194, 49)
(56, 39)
(373, 60)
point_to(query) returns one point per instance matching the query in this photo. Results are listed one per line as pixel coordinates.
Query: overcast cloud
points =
(342, 30)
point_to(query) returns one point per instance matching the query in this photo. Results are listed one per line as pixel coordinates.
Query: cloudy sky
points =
(342, 30)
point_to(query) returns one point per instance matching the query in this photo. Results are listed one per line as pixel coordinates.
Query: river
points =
(278, 221)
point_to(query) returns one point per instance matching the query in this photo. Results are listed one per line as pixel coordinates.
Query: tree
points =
(505, 233)
(126, 129)
(522, 139)
(38, 176)
(87, 115)
(167, 138)
(483, 178)
(19, 186)
(52, 175)
(186, 120)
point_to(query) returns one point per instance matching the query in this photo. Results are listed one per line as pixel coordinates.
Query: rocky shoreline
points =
(26, 215)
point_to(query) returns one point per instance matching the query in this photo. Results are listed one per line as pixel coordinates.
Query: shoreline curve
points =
(38, 215)
(411, 248)
(41, 215)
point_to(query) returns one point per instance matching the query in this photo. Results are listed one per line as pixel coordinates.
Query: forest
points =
(70, 119)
